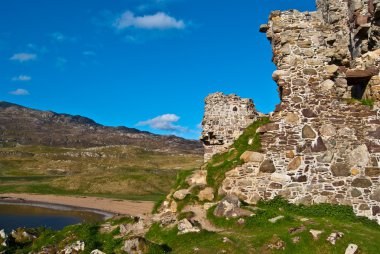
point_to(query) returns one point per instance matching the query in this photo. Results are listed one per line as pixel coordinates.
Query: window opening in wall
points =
(359, 87)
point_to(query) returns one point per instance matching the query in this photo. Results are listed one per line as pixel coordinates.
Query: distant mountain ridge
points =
(26, 126)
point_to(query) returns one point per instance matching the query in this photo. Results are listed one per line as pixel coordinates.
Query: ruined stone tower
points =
(225, 118)
(323, 143)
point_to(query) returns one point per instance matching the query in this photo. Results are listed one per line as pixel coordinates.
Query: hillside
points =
(25, 126)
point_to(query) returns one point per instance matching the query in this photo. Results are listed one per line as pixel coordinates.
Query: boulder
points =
(351, 249)
(181, 194)
(315, 233)
(199, 177)
(76, 247)
(185, 226)
(136, 245)
(334, 236)
(249, 156)
(206, 195)
(97, 252)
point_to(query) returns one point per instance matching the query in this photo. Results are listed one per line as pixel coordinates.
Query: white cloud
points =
(159, 20)
(23, 57)
(59, 37)
(164, 122)
(21, 78)
(20, 91)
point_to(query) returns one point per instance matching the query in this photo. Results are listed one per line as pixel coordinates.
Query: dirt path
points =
(126, 207)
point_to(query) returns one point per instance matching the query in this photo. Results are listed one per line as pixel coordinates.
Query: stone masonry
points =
(323, 144)
(225, 118)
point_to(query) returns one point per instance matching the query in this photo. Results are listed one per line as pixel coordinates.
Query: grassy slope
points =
(117, 172)
(257, 232)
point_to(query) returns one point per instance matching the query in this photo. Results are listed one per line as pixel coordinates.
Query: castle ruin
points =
(323, 142)
(225, 118)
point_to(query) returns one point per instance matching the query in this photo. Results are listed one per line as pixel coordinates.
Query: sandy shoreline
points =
(114, 206)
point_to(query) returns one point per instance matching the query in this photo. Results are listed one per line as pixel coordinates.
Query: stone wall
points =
(322, 144)
(225, 118)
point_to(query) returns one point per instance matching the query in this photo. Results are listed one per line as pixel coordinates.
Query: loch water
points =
(13, 216)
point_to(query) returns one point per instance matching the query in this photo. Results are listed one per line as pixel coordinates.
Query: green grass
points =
(222, 163)
(366, 102)
(116, 172)
(257, 231)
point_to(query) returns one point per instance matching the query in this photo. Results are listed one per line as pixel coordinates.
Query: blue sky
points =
(138, 63)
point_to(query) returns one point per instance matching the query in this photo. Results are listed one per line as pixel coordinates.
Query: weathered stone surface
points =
(351, 249)
(308, 113)
(372, 172)
(267, 166)
(249, 156)
(280, 177)
(199, 177)
(361, 183)
(136, 245)
(355, 193)
(181, 194)
(308, 132)
(295, 163)
(292, 118)
(359, 156)
(327, 130)
(376, 195)
(225, 118)
(318, 146)
(185, 226)
(206, 195)
(340, 169)
(327, 85)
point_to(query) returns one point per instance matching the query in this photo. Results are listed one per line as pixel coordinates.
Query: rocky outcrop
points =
(326, 144)
(25, 126)
(225, 118)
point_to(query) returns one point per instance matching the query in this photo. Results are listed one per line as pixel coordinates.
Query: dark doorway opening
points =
(359, 87)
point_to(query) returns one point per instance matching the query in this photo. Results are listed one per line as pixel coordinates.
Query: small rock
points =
(184, 227)
(351, 249)
(181, 194)
(296, 239)
(74, 247)
(97, 252)
(334, 236)
(199, 177)
(297, 230)
(275, 219)
(241, 221)
(226, 240)
(206, 195)
(136, 245)
(315, 233)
